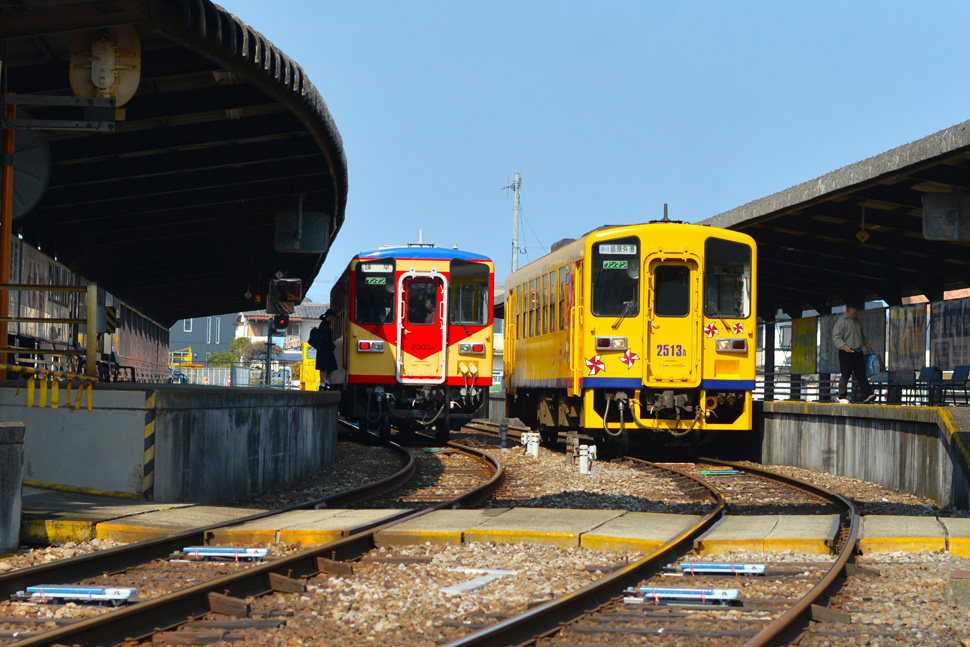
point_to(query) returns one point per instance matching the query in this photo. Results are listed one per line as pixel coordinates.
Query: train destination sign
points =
(617, 249)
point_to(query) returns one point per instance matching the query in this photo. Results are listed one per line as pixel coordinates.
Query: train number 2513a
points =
(670, 350)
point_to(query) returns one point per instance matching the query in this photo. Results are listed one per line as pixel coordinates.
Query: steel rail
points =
(548, 617)
(124, 557)
(167, 612)
(788, 623)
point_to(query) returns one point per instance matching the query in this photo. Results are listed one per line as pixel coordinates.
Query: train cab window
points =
(421, 300)
(615, 275)
(727, 279)
(469, 293)
(671, 290)
(374, 290)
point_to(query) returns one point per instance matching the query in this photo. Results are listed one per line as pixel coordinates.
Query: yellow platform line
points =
(241, 536)
(721, 546)
(959, 546)
(56, 531)
(128, 533)
(552, 538)
(309, 537)
(869, 545)
(81, 490)
(619, 544)
(414, 537)
(810, 545)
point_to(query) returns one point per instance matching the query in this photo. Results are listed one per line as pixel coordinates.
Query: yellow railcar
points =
(414, 337)
(635, 328)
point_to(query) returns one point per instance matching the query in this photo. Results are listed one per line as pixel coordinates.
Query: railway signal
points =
(281, 322)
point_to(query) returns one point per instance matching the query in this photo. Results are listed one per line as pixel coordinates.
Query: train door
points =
(574, 336)
(422, 327)
(672, 320)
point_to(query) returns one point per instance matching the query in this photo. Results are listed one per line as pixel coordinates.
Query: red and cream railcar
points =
(414, 338)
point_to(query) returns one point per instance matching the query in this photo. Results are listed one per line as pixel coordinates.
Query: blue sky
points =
(608, 109)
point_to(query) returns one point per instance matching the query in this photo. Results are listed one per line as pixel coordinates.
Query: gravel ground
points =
(907, 604)
(439, 475)
(355, 464)
(548, 482)
(403, 604)
(750, 494)
(870, 497)
(33, 556)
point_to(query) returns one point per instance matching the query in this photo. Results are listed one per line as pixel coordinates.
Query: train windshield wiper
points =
(627, 307)
(719, 315)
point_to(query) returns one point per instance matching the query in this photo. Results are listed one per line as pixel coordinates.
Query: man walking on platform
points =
(850, 339)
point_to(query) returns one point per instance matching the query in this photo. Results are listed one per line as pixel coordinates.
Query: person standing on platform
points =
(321, 338)
(850, 339)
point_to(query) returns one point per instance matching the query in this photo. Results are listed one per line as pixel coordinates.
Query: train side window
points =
(556, 303)
(545, 304)
(422, 302)
(551, 291)
(671, 291)
(374, 293)
(469, 295)
(727, 278)
(563, 281)
(615, 277)
(531, 297)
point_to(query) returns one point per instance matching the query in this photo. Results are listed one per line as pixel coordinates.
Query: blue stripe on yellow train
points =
(644, 328)
(414, 338)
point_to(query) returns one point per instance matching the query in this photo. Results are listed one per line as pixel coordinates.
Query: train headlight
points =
(370, 346)
(611, 343)
(471, 348)
(732, 345)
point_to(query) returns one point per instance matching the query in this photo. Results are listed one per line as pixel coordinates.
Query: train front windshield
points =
(727, 279)
(615, 275)
(374, 302)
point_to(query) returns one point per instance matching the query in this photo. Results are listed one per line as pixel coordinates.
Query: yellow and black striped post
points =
(148, 473)
(110, 319)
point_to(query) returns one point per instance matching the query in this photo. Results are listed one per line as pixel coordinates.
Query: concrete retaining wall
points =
(101, 450)
(912, 449)
(178, 443)
(11, 476)
(216, 444)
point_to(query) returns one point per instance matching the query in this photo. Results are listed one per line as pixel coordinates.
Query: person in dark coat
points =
(326, 360)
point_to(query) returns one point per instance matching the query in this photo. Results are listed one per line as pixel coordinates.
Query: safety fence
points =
(237, 374)
(929, 387)
(923, 350)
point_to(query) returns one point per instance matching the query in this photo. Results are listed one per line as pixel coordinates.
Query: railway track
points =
(601, 614)
(131, 555)
(179, 590)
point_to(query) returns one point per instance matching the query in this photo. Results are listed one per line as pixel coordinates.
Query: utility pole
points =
(516, 187)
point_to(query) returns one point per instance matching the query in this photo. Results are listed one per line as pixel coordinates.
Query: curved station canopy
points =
(857, 233)
(174, 208)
